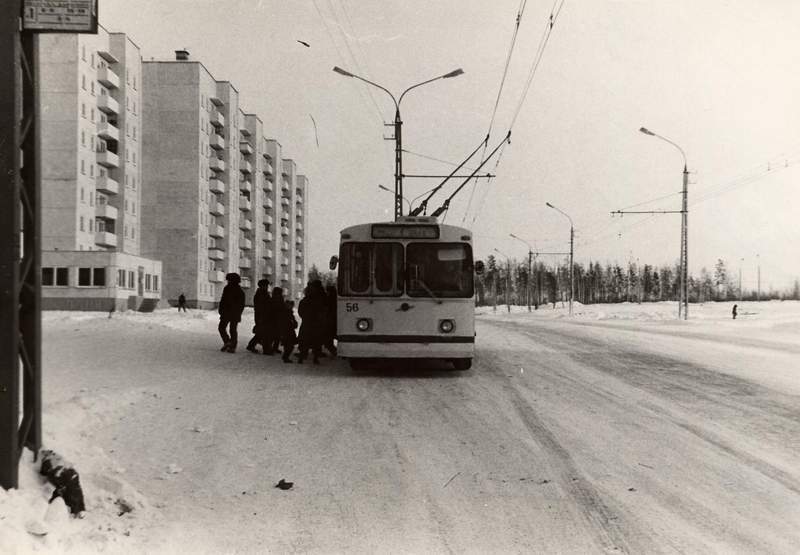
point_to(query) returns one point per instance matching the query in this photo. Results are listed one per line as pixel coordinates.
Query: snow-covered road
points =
(574, 436)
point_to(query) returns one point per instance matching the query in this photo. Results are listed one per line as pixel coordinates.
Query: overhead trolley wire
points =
(520, 11)
(543, 41)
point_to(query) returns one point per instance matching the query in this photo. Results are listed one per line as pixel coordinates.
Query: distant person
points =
(181, 302)
(260, 301)
(312, 310)
(231, 306)
(734, 312)
(330, 319)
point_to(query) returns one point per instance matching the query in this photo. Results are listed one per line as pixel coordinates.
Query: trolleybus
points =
(406, 291)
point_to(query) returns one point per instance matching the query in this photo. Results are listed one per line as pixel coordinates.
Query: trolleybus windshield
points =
(371, 269)
(439, 270)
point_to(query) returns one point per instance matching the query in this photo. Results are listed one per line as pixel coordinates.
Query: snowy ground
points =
(620, 429)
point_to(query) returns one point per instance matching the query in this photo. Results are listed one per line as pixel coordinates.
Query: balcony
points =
(216, 254)
(268, 181)
(107, 77)
(298, 254)
(285, 277)
(246, 186)
(245, 243)
(268, 236)
(245, 224)
(216, 118)
(216, 208)
(268, 169)
(284, 230)
(105, 239)
(245, 166)
(217, 101)
(216, 230)
(299, 226)
(284, 261)
(245, 204)
(268, 219)
(216, 276)
(216, 164)
(285, 201)
(268, 270)
(268, 203)
(298, 199)
(216, 185)
(108, 159)
(285, 246)
(245, 148)
(298, 240)
(105, 184)
(216, 141)
(267, 253)
(107, 131)
(298, 212)
(245, 263)
(106, 211)
(107, 104)
(108, 56)
(245, 283)
(285, 188)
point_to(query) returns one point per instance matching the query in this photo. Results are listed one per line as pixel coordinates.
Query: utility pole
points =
(571, 251)
(528, 278)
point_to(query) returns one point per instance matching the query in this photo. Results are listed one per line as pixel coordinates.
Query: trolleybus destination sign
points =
(59, 16)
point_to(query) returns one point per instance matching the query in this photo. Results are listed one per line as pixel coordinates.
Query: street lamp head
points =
(385, 188)
(550, 205)
(646, 131)
(454, 73)
(341, 71)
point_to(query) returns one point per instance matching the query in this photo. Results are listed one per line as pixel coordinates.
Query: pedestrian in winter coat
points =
(330, 319)
(289, 339)
(312, 310)
(231, 306)
(181, 302)
(260, 301)
(274, 321)
(734, 312)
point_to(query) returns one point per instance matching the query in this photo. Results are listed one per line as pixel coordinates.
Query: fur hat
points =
(233, 277)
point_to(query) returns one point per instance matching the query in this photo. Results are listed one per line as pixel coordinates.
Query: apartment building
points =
(211, 204)
(90, 95)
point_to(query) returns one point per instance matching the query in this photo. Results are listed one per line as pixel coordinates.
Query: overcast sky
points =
(719, 78)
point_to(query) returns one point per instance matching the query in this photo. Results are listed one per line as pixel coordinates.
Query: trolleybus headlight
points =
(364, 324)
(446, 326)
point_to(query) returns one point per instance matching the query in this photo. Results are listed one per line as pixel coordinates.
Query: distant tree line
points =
(610, 283)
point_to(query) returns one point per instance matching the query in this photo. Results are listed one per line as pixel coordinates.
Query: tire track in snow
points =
(608, 529)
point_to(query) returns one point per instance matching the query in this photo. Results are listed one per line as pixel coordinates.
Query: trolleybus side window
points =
(371, 269)
(439, 270)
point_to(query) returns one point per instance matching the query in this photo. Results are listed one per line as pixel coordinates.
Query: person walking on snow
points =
(289, 339)
(734, 312)
(231, 306)
(181, 302)
(312, 310)
(260, 301)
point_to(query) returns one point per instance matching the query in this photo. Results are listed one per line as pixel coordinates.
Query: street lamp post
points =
(387, 189)
(528, 277)
(398, 129)
(508, 274)
(684, 270)
(571, 253)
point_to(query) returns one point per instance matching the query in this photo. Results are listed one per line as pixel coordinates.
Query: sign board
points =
(59, 16)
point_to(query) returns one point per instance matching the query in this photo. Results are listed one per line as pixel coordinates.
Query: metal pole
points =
(571, 283)
(508, 282)
(685, 245)
(10, 116)
(398, 165)
(528, 279)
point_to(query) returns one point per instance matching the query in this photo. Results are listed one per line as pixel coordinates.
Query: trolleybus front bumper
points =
(405, 346)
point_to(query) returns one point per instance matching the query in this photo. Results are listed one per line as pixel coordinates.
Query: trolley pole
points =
(685, 246)
(571, 268)
(398, 165)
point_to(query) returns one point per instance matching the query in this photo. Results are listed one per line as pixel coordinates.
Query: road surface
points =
(569, 437)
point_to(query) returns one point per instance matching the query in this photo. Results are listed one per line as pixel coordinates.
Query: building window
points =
(131, 280)
(134, 157)
(134, 132)
(133, 207)
(84, 277)
(62, 277)
(126, 203)
(81, 222)
(92, 114)
(92, 88)
(91, 225)
(91, 174)
(48, 276)
(83, 171)
(83, 52)
(83, 81)
(83, 110)
(133, 232)
(92, 59)
(83, 137)
(147, 282)
(155, 283)
(99, 276)
(120, 278)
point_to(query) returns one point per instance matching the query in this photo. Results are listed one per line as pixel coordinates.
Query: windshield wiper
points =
(428, 290)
